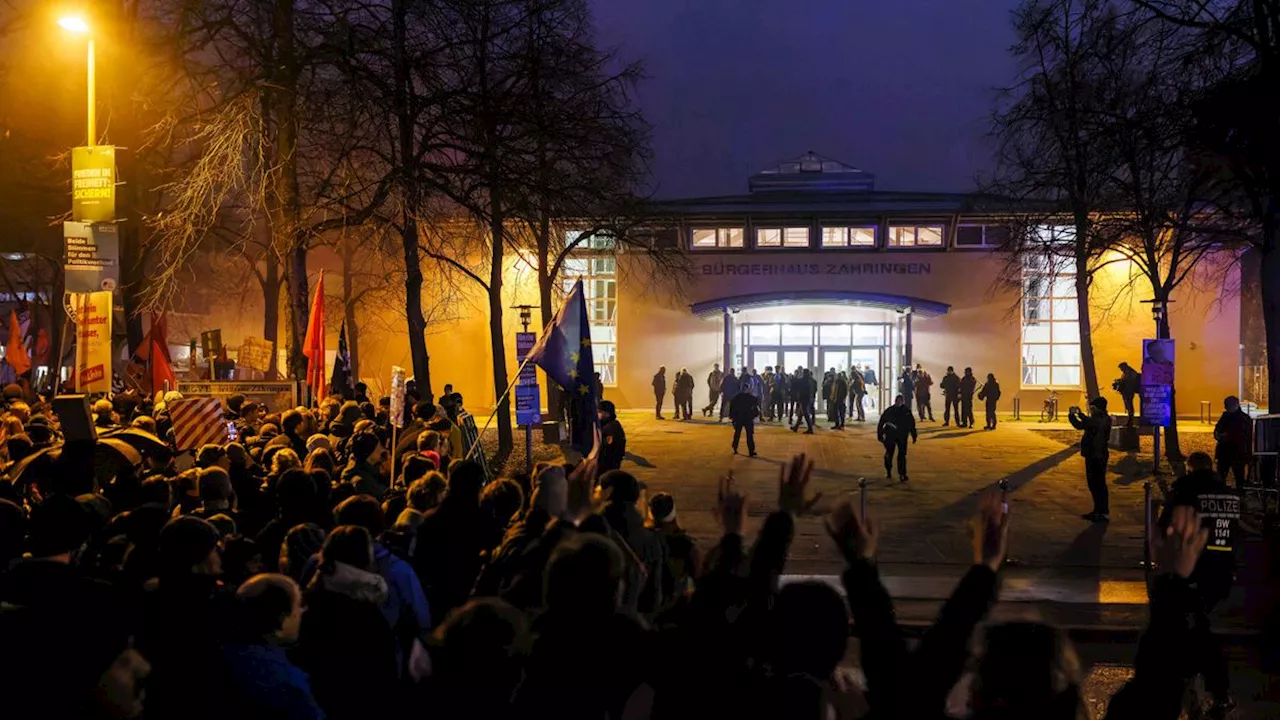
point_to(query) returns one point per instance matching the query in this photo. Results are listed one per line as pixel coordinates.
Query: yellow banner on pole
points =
(93, 341)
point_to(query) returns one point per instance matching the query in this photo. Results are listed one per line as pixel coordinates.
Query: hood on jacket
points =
(355, 583)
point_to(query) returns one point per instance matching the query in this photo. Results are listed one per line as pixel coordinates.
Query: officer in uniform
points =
(1219, 508)
(613, 441)
(896, 425)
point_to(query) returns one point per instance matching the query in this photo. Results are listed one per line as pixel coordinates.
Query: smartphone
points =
(232, 433)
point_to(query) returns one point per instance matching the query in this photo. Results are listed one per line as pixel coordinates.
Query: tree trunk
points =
(285, 89)
(1087, 366)
(546, 282)
(271, 311)
(301, 310)
(1270, 281)
(496, 340)
(411, 184)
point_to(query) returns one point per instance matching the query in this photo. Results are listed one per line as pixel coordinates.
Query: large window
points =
(782, 237)
(600, 284)
(849, 237)
(707, 238)
(601, 240)
(915, 236)
(981, 236)
(1050, 326)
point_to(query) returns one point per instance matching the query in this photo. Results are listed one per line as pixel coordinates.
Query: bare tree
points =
(1048, 162)
(1243, 38)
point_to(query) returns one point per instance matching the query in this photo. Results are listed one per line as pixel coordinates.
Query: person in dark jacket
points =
(743, 410)
(1219, 509)
(839, 400)
(907, 387)
(990, 395)
(345, 644)
(714, 379)
(1096, 451)
(1129, 384)
(684, 394)
(646, 555)
(583, 646)
(613, 439)
(803, 391)
(659, 391)
(968, 386)
(728, 389)
(923, 383)
(950, 386)
(896, 425)
(1233, 433)
(367, 468)
(262, 680)
(778, 394)
(450, 540)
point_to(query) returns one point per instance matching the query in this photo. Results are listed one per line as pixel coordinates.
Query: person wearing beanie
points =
(262, 680)
(212, 455)
(183, 610)
(683, 557)
(644, 592)
(300, 544)
(613, 440)
(1096, 450)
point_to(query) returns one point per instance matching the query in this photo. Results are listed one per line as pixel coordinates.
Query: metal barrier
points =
(1206, 411)
(1147, 563)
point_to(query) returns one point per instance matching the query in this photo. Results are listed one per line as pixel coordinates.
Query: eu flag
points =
(564, 354)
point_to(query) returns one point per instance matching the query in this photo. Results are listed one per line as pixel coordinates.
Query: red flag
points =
(157, 355)
(15, 352)
(313, 345)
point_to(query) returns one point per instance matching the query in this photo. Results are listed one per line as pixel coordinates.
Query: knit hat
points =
(12, 391)
(185, 541)
(622, 486)
(318, 441)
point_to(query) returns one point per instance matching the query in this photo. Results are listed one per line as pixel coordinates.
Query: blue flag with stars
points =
(564, 354)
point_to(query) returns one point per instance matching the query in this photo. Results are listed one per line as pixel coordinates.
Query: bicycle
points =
(1049, 411)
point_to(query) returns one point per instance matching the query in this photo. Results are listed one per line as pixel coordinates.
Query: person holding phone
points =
(1094, 447)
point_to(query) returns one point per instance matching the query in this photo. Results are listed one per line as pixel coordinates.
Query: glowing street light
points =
(78, 25)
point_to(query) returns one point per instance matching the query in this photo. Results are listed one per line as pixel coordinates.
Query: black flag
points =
(341, 383)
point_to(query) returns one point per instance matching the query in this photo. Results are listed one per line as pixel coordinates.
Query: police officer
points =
(613, 441)
(896, 424)
(950, 387)
(968, 386)
(743, 411)
(713, 390)
(1219, 509)
(659, 391)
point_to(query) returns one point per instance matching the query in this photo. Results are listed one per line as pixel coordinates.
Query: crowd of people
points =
(286, 575)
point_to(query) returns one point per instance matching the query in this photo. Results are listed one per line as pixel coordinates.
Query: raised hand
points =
(990, 531)
(582, 484)
(856, 537)
(731, 507)
(1179, 548)
(793, 481)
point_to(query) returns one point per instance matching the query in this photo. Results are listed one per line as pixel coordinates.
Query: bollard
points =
(1004, 505)
(1017, 408)
(1147, 563)
(862, 499)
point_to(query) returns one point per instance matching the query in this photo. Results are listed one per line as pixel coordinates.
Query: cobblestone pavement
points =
(925, 520)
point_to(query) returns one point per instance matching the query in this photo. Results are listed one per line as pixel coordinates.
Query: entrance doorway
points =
(837, 346)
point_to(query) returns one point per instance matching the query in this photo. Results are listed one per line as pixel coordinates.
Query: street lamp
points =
(78, 25)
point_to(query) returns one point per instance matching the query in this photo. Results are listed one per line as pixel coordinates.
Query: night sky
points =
(902, 89)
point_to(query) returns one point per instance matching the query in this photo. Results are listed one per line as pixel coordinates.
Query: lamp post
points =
(77, 25)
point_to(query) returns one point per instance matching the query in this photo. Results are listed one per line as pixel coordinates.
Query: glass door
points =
(832, 359)
(762, 358)
(793, 358)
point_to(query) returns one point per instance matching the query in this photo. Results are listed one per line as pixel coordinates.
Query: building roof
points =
(812, 172)
(826, 202)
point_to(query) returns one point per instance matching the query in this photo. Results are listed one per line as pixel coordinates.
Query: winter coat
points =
(744, 407)
(714, 379)
(896, 423)
(923, 383)
(1097, 434)
(346, 646)
(447, 553)
(365, 478)
(659, 383)
(263, 683)
(968, 384)
(729, 385)
(613, 445)
(950, 385)
(1219, 508)
(990, 393)
(1233, 433)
